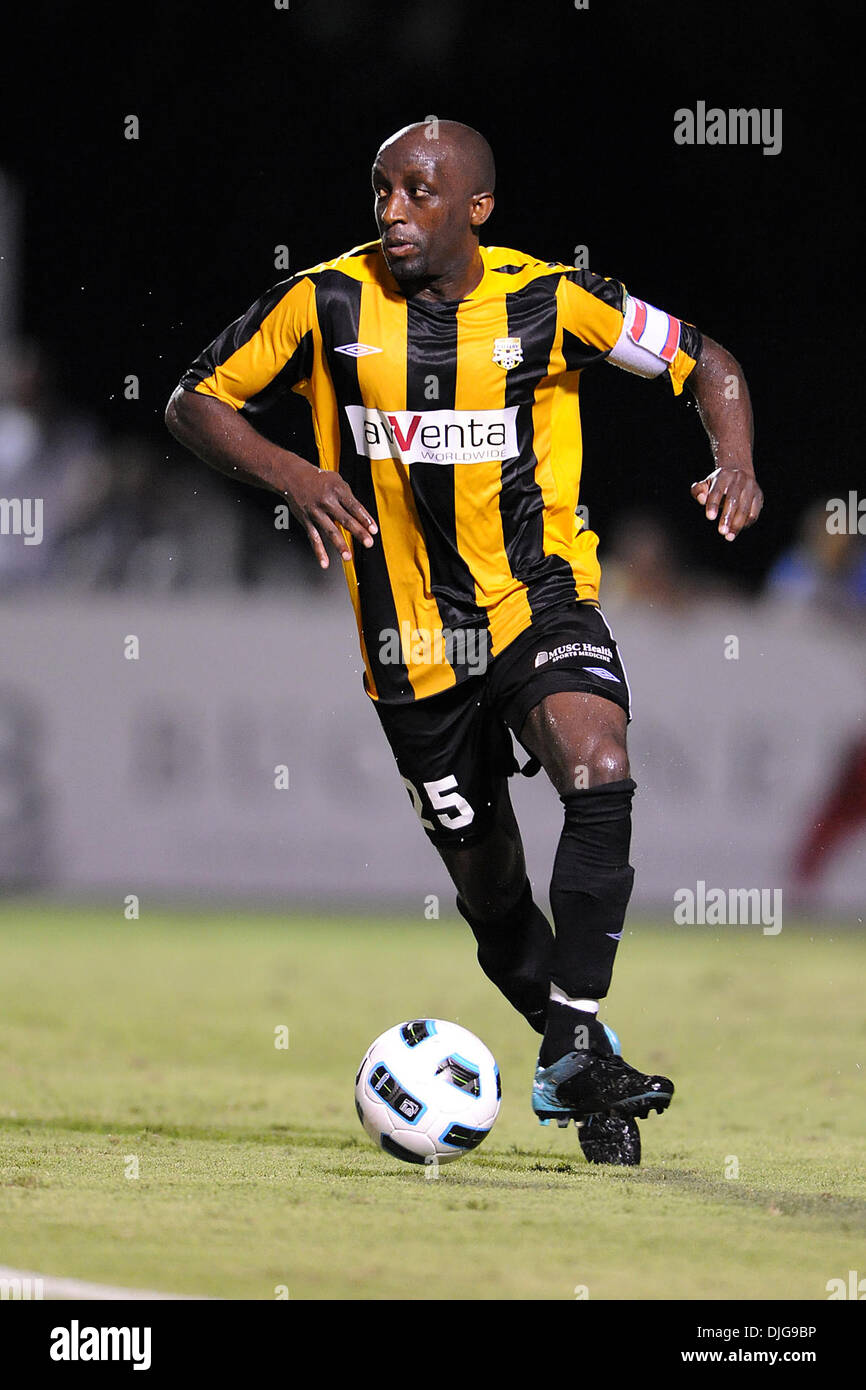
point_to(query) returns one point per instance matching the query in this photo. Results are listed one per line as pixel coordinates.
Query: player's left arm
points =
(731, 491)
(651, 343)
(599, 314)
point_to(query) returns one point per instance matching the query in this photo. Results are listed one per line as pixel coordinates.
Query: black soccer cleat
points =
(581, 1084)
(607, 1139)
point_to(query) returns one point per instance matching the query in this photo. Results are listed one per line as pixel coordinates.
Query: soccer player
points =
(443, 377)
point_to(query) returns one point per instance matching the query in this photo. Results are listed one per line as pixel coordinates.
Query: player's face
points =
(422, 211)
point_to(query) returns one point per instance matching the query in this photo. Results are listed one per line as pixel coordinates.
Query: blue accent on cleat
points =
(582, 1084)
(544, 1101)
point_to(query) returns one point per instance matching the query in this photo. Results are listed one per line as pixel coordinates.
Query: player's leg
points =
(562, 689)
(494, 895)
(454, 757)
(580, 740)
(516, 951)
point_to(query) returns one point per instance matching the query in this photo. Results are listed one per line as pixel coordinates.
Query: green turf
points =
(154, 1041)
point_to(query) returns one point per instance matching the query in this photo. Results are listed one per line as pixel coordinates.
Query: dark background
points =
(258, 127)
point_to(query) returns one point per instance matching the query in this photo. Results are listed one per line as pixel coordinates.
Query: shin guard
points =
(589, 891)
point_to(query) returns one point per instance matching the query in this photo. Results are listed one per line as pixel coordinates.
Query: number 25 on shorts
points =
(444, 798)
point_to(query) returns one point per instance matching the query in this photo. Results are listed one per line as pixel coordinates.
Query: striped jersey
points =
(456, 424)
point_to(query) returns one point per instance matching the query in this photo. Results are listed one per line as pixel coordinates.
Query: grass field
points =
(149, 1045)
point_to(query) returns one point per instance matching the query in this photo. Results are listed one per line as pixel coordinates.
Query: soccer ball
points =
(427, 1091)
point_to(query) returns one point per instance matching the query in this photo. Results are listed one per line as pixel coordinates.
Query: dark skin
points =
(430, 200)
(428, 211)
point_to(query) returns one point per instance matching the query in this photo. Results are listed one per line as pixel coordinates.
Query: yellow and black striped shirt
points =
(456, 424)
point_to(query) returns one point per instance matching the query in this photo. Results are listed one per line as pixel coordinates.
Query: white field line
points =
(29, 1286)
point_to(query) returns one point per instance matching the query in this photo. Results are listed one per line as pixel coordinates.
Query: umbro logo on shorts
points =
(357, 349)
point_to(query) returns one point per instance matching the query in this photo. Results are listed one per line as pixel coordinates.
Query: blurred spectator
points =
(155, 527)
(125, 513)
(822, 570)
(49, 456)
(645, 566)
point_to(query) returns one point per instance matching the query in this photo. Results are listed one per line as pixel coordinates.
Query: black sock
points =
(589, 892)
(571, 1030)
(515, 952)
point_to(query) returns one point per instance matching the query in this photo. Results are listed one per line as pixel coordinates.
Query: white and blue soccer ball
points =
(428, 1091)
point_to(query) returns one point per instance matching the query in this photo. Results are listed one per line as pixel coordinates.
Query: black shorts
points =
(454, 750)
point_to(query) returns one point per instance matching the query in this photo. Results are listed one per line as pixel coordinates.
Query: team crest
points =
(507, 352)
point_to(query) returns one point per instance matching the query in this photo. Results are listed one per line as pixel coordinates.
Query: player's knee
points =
(491, 903)
(489, 906)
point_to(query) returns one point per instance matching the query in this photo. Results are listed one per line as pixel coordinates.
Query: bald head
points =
(433, 182)
(465, 150)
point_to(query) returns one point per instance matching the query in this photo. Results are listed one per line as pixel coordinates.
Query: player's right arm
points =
(265, 351)
(322, 501)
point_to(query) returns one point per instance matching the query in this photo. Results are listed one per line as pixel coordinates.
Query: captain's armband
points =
(649, 339)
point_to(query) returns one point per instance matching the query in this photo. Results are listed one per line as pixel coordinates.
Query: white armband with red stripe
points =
(649, 339)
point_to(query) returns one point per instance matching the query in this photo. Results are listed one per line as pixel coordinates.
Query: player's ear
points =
(480, 209)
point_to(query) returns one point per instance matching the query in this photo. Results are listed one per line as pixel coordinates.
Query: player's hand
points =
(732, 495)
(323, 502)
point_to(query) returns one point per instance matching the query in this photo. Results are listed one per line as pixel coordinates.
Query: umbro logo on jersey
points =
(507, 352)
(357, 349)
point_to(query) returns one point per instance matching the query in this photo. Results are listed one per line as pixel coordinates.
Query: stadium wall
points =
(156, 773)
